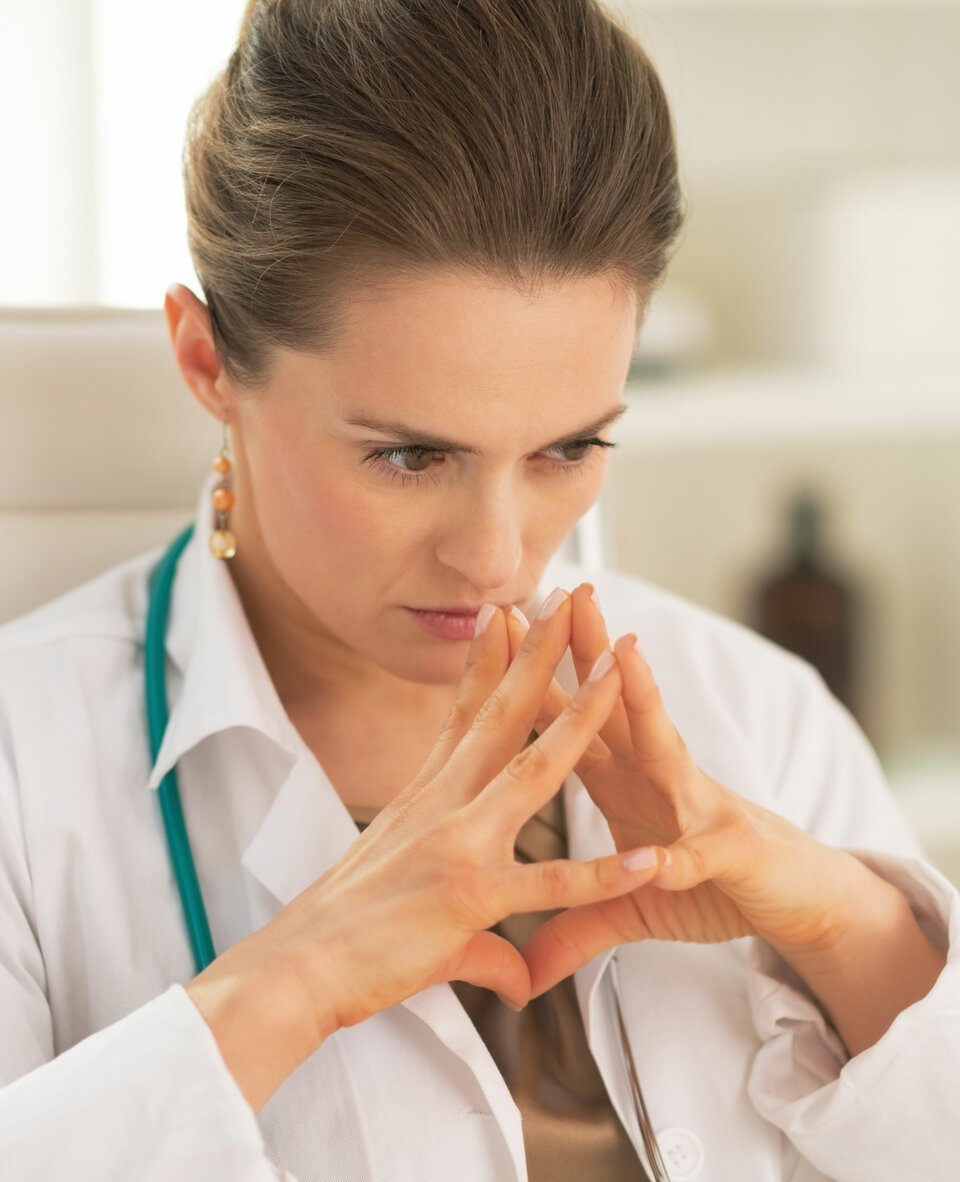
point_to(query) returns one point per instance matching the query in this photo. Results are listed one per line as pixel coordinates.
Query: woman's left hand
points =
(728, 867)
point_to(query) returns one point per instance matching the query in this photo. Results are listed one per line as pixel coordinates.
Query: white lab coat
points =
(108, 1071)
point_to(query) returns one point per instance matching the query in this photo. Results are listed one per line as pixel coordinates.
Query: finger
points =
(568, 941)
(656, 744)
(504, 721)
(487, 660)
(588, 639)
(493, 963)
(727, 854)
(534, 775)
(555, 699)
(517, 627)
(545, 886)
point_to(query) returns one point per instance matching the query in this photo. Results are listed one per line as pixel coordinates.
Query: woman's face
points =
(436, 459)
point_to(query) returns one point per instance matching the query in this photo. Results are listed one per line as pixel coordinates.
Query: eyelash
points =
(378, 459)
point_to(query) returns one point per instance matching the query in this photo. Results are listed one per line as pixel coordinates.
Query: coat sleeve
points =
(148, 1095)
(888, 1113)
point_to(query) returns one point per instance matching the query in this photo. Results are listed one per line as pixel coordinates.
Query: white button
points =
(682, 1153)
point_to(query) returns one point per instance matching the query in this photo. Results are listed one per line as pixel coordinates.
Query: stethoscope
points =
(185, 872)
(178, 843)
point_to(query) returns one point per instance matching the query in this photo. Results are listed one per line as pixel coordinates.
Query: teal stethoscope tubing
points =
(158, 612)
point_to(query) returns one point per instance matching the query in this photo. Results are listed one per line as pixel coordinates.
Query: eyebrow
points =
(403, 433)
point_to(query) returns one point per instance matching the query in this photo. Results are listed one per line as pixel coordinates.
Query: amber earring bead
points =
(222, 542)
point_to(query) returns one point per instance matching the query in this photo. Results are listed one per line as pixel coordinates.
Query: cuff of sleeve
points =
(847, 1115)
(151, 1088)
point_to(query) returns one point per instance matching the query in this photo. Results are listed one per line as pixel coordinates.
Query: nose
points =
(482, 538)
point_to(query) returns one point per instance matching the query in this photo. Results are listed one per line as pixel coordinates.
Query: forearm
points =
(875, 962)
(259, 1016)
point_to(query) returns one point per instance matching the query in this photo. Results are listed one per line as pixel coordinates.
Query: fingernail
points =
(639, 647)
(551, 603)
(602, 666)
(596, 599)
(641, 860)
(484, 616)
(518, 615)
(509, 1004)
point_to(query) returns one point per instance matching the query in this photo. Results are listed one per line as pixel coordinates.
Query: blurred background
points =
(792, 455)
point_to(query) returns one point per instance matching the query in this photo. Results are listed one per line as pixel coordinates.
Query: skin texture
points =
(329, 552)
(329, 548)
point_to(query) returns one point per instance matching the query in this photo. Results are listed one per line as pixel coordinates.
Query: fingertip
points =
(601, 666)
(488, 632)
(644, 860)
(517, 628)
(628, 645)
(517, 1009)
(519, 618)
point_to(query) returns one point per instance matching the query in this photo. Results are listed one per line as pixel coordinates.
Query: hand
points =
(728, 867)
(409, 904)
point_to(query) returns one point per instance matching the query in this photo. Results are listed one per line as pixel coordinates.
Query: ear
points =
(188, 322)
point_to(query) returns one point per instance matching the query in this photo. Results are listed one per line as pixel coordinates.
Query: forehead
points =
(472, 354)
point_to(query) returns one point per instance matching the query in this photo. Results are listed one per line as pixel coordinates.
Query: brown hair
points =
(351, 141)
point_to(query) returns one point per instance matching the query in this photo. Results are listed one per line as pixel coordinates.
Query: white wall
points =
(782, 110)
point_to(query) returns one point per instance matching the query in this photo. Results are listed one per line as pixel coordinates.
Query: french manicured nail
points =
(518, 615)
(484, 616)
(551, 603)
(509, 1004)
(602, 666)
(641, 860)
(638, 646)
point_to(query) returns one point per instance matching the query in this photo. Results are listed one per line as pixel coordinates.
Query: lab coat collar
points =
(209, 643)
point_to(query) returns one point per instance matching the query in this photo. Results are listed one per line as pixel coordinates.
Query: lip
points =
(446, 623)
(457, 609)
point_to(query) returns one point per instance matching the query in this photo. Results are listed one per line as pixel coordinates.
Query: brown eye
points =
(576, 451)
(416, 459)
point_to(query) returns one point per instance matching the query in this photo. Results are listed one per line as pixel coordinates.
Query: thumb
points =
(493, 963)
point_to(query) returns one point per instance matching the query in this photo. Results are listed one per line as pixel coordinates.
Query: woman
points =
(426, 235)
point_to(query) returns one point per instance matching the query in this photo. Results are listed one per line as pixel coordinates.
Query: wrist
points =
(864, 910)
(872, 962)
(261, 1017)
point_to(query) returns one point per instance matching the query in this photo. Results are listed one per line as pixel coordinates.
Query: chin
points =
(442, 667)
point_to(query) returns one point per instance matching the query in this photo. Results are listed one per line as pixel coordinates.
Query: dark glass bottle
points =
(808, 607)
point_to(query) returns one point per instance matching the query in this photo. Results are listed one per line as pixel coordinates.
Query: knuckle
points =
(577, 710)
(528, 764)
(697, 860)
(493, 713)
(606, 874)
(537, 644)
(554, 879)
(458, 720)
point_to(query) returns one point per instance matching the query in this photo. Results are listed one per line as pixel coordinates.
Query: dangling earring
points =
(222, 542)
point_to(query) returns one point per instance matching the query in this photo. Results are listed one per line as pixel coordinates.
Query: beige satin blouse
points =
(570, 1129)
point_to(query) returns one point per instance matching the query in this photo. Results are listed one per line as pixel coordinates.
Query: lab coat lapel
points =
(306, 830)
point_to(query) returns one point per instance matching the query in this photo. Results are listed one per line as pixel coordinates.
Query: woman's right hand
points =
(409, 904)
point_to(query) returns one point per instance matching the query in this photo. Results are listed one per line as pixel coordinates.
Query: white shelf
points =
(742, 408)
(662, 7)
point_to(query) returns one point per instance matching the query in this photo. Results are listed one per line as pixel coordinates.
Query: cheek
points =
(335, 528)
(560, 508)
